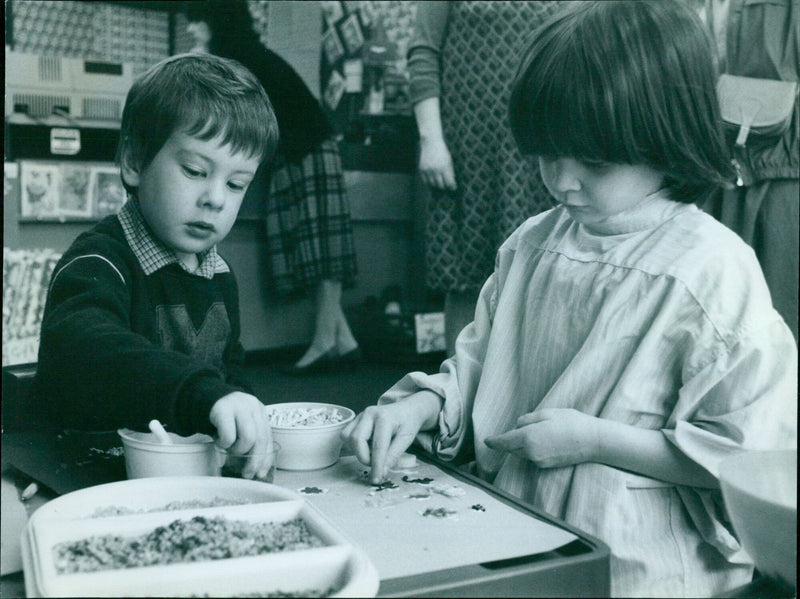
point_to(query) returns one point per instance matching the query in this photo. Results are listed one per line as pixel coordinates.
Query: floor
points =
(355, 388)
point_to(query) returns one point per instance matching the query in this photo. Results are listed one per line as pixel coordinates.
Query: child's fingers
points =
(381, 439)
(246, 433)
(510, 441)
(399, 444)
(226, 430)
(535, 416)
(262, 457)
(359, 438)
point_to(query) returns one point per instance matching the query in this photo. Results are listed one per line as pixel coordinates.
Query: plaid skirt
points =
(308, 228)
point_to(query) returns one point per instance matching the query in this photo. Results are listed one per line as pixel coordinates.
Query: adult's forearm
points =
(429, 120)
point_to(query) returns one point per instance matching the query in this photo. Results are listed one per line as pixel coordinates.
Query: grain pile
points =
(192, 540)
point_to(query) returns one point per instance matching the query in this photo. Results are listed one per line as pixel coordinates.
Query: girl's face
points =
(201, 33)
(593, 192)
(190, 193)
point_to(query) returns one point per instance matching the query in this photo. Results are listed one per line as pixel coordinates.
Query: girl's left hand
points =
(551, 438)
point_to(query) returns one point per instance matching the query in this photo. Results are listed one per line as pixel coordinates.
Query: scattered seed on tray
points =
(422, 481)
(387, 484)
(439, 512)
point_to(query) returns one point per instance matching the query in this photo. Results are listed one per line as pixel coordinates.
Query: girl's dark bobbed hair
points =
(626, 82)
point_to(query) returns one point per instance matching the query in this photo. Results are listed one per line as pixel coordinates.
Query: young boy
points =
(142, 314)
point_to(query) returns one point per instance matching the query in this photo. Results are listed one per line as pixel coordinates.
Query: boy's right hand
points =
(242, 426)
(380, 434)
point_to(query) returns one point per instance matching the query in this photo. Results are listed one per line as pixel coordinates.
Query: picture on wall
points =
(69, 191)
(332, 11)
(108, 193)
(334, 90)
(39, 183)
(332, 46)
(73, 197)
(352, 34)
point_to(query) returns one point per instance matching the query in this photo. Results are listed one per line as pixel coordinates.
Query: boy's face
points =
(191, 192)
(592, 193)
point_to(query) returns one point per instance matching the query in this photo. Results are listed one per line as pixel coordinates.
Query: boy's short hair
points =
(625, 82)
(202, 95)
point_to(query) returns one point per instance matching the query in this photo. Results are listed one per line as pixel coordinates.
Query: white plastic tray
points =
(145, 494)
(339, 564)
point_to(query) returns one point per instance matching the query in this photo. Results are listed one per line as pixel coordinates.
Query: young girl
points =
(626, 341)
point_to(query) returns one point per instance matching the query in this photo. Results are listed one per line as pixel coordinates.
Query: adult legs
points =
(332, 334)
(776, 244)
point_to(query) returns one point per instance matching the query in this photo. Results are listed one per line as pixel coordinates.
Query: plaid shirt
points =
(152, 254)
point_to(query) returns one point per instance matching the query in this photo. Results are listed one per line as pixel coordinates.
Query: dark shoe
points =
(328, 363)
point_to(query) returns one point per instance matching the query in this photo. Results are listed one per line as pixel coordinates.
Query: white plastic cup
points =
(145, 456)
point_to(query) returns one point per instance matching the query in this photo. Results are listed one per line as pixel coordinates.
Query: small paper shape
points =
(429, 332)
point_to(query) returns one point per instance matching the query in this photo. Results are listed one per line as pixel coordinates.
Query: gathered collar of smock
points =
(648, 215)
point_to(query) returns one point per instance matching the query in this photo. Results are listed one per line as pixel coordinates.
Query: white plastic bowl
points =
(145, 456)
(308, 446)
(760, 493)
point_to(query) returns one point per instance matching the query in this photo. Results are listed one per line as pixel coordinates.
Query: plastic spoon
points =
(158, 430)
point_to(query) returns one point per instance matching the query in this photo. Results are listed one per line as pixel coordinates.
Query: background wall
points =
(383, 205)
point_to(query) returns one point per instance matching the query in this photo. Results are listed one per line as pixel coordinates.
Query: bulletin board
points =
(350, 30)
(68, 191)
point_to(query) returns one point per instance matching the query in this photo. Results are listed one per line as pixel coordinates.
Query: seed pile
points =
(192, 540)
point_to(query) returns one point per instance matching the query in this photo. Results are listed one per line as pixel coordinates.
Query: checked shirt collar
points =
(153, 255)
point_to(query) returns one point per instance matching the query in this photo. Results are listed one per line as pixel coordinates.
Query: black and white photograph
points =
(108, 193)
(400, 298)
(39, 184)
(332, 11)
(332, 46)
(351, 34)
(74, 196)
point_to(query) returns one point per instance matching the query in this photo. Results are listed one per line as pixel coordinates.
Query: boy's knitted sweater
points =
(120, 347)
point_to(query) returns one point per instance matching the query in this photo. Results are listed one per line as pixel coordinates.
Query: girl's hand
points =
(436, 164)
(380, 434)
(552, 438)
(242, 425)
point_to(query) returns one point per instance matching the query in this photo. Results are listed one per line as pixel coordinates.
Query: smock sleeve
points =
(744, 399)
(456, 382)
(424, 50)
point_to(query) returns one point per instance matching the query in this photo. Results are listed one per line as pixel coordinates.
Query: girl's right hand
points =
(380, 434)
(436, 164)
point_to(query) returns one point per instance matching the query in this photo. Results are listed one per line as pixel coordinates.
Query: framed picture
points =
(352, 34)
(332, 46)
(368, 12)
(39, 183)
(108, 193)
(332, 11)
(73, 196)
(334, 90)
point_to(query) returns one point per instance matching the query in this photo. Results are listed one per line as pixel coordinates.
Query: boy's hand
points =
(551, 438)
(242, 426)
(391, 429)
